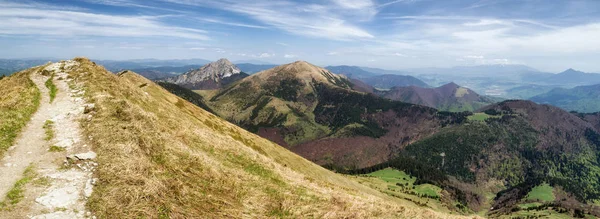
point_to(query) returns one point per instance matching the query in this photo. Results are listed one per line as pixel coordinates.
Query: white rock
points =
(59, 197)
(89, 188)
(86, 156)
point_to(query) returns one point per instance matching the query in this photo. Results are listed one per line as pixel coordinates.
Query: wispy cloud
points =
(320, 21)
(19, 20)
(218, 21)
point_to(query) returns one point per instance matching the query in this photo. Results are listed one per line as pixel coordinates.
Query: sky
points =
(549, 35)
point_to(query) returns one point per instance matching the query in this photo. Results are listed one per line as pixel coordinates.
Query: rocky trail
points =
(62, 163)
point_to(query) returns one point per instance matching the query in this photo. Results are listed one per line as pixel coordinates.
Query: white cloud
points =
(282, 44)
(355, 4)
(217, 21)
(319, 21)
(473, 57)
(197, 48)
(485, 22)
(333, 53)
(266, 55)
(289, 56)
(32, 21)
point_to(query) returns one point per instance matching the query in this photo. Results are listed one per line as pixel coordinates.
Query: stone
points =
(85, 156)
(89, 108)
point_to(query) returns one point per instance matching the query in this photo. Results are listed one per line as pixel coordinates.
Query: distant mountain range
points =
(380, 81)
(449, 97)
(351, 71)
(525, 92)
(568, 77)
(254, 68)
(164, 71)
(584, 99)
(213, 75)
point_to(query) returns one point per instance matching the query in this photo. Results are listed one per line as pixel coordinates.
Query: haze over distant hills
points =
(585, 99)
(377, 80)
(449, 97)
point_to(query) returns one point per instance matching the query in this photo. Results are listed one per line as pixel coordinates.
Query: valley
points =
(461, 162)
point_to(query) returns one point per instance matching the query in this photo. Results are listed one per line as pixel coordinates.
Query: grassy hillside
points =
(19, 101)
(450, 97)
(506, 151)
(162, 157)
(316, 114)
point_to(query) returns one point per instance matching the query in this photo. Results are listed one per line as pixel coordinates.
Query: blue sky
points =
(550, 35)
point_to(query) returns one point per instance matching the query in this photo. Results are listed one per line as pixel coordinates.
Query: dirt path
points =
(68, 172)
(29, 146)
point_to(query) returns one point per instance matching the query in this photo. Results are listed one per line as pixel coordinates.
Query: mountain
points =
(582, 99)
(565, 78)
(450, 97)
(527, 91)
(5, 72)
(384, 71)
(388, 81)
(318, 115)
(495, 71)
(510, 149)
(381, 81)
(492, 159)
(120, 65)
(211, 76)
(254, 68)
(161, 72)
(8, 66)
(350, 71)
(159, 156)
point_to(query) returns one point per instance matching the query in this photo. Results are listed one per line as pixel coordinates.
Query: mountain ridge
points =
(161, 156)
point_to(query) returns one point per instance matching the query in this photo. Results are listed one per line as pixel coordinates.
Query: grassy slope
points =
(19, 101)
(542, 192)
(161, 156)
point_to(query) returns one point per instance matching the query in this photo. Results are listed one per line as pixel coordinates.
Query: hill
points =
(567, 77)
(525, 92)
(159, 156)
(518, 146)
(121, 65)
(388, 81)
(213, 75)
(5, 72)
(492, 158)
(316, 114)
(449, 97)
(161, 72)
(350, 71)
(582, 99)
(377, 80)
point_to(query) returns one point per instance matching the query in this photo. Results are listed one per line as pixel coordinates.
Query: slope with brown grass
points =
(162, 157)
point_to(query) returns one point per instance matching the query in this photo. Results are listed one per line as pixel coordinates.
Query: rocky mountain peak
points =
(208, 76)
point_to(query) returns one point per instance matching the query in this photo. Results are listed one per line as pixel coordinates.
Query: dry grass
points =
(19, 101)
(161, 157)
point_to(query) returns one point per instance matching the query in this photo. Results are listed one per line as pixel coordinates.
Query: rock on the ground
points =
(83, 156)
